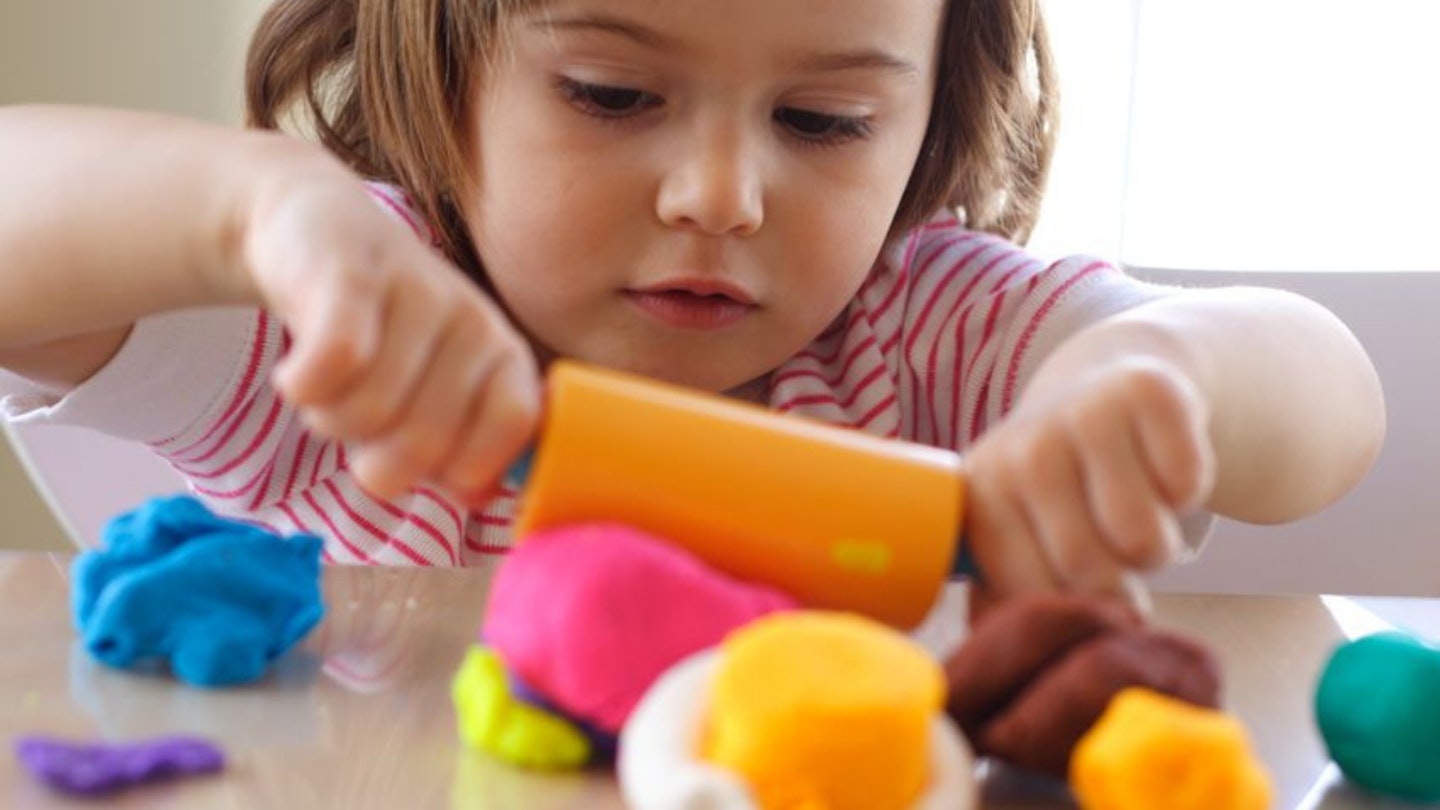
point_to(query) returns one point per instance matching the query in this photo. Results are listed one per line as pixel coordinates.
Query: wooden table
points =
(360, 716)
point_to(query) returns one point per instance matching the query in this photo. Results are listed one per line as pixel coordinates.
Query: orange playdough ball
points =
(824, 710)
(1150, 751)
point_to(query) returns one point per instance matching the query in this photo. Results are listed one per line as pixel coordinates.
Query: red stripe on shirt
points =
(289, 512)
(297, 457)
(233, 494)
(309, 498)
(440, 501)
(405, 216)
(916, 328)
(875, 412)
(855, 354)
(242, 393)
(414, 519)
(1012, 374)
(383, 537)
(266, 428)
(932, 361)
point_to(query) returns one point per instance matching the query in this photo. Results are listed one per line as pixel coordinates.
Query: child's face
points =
(691, 189)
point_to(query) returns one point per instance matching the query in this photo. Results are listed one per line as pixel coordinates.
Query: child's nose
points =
(714, 185)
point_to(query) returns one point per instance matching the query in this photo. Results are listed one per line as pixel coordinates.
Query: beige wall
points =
(179, 55)
(182, 56)
(28, 522)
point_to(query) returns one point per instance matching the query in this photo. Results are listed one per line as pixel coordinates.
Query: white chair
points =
(86, 478)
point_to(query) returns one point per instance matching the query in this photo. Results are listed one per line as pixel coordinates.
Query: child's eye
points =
(605, 101)
(822, 128)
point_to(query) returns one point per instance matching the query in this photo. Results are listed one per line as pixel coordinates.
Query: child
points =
(812, 207)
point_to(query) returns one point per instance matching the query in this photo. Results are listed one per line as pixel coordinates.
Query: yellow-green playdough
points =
(492, 720)
(1378, 708)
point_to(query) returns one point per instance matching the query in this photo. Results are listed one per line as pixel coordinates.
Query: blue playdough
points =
(1378, 708)
(216, 598)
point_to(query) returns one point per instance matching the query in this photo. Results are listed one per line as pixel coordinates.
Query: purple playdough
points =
(96, 768)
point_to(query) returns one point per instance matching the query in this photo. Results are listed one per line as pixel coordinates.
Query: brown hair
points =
(383, 85)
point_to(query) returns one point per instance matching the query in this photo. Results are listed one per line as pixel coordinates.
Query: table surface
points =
(360, 716)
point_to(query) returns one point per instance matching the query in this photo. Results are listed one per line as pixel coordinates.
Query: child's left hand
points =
(1085, 481)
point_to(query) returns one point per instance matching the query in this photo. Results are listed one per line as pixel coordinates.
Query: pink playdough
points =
(590, 615)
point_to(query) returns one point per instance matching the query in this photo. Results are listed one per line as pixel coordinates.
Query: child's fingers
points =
(1173, 437)
(429, 428)
(415, 319)
(1004, 544)
(504, 417)
(336, 333)
(1060, 515)
(1136, 522)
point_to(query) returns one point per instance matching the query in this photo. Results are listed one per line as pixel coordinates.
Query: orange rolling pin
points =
(838, 518)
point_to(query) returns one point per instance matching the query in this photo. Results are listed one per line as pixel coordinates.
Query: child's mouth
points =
(691, 310)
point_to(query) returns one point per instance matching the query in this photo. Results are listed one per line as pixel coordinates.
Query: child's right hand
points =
(393, 347)
(1086, 481)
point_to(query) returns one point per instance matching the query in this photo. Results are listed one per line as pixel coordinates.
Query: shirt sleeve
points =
(195, 387)
(1009, 315)
(1073, 294)
(945, 334)
(177, 369)
(154, 387)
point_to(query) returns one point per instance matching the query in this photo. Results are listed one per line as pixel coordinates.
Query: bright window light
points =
(1261, 134)
(1354, 619)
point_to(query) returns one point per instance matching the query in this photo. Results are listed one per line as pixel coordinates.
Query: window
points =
(1269, 135)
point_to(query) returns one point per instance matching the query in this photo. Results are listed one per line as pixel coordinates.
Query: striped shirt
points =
(936, 346)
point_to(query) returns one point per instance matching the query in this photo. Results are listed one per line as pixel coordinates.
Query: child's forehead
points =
(819, 18)
(660, 8)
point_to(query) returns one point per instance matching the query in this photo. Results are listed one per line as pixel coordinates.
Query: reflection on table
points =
(360, 715)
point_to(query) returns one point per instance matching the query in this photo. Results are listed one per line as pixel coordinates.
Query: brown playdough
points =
(1037, 672)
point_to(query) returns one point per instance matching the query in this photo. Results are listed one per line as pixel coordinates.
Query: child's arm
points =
(1257, 404)
(103, 219)
(108, 216)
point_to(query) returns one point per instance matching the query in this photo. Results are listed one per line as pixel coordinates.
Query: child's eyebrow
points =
(607, 24)
(871, 59)
(874, 60)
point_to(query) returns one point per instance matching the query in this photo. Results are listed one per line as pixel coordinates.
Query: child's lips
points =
(697, 305)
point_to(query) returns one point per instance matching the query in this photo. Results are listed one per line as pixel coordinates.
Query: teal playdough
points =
(1378, 707)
